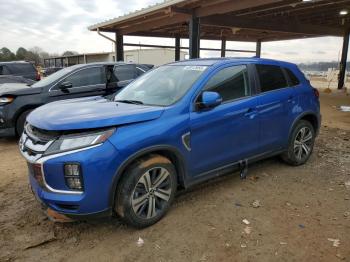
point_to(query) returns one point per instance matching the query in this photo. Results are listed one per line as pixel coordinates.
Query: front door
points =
(85, 82)
(229, 132)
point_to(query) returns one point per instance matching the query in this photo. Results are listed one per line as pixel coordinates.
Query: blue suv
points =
(175, 126)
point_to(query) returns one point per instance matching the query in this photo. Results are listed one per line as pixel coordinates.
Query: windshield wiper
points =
(135, 102)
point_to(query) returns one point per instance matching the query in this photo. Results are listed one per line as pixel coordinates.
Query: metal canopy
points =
(248, 20)
(235, 20)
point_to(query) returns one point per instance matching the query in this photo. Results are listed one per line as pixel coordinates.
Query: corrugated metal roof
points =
(146, 10)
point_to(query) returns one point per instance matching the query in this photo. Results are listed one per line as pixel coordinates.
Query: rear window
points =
(294, 81)
(271, 77)
(21, 68)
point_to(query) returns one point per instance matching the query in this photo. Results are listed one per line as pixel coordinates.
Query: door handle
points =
(251, 112)
(290, 99)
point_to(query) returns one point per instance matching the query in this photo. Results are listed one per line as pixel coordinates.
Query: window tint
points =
(230, 83)
(22, 68)
(125, 72)
(271, 77)
(86, 77)
(4, 70)
(294, 81)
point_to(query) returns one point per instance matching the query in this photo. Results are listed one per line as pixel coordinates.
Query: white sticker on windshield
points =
(195, 68)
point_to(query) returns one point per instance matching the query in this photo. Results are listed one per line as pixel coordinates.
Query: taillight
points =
(316, 92)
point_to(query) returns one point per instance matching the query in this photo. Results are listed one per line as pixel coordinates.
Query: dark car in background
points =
(50, 70)
(95, 79)
(20, 68)
(15, 79)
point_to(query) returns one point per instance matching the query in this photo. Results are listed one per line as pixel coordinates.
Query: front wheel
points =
(301, 143)
(21, 121)
(146, 191)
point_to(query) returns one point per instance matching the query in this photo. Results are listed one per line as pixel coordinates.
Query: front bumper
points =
(98, 163)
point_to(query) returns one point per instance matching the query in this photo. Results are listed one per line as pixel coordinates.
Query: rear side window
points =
(87, 77)
(294, 81)
(4, 70)
(22, 68)
(231, 83)
(125, 72)
(271, 77)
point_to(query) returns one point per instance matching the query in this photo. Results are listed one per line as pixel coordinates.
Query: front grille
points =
(39, 135)
(34, 142)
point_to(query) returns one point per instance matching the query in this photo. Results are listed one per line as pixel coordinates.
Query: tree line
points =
(34, 54)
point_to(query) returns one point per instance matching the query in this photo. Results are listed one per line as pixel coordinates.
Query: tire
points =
(301, 144)
(20, 122)
(156, 171)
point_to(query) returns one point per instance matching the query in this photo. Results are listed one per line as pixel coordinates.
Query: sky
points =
(60, 25)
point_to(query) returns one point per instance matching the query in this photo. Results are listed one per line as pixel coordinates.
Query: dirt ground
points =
(304, 213)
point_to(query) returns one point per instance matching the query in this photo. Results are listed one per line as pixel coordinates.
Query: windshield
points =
(54, 77)
(161, 87)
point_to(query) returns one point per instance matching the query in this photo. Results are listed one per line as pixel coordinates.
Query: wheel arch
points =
(167, 151)
(310, 117)
(21, 111)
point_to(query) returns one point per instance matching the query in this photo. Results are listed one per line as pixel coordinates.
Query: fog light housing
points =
(73, 176)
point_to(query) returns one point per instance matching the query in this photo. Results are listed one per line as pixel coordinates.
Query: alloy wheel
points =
(152, 192)
(303, 143)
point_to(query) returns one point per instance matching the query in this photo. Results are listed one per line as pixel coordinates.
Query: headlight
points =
(5, 100)
(78, 141)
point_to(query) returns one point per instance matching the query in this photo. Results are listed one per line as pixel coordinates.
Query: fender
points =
(181, 166)
(301, 116)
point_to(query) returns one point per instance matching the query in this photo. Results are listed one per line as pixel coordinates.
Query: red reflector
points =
(317, 94)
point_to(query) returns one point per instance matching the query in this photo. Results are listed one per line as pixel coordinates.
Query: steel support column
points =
(194, 28)
(177, 48)
(258, 48)
(223, 47)
(119, 48)
(344, 57)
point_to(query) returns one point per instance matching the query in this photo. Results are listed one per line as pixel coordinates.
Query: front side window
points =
(125, 72)
(271, 77)
(162, 86)
(231, 83)
(87, 77)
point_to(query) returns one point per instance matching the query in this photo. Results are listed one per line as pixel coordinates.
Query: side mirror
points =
(124, 83)
(65, 85)
(210, 99)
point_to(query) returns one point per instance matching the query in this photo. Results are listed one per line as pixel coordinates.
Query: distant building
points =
(155, 57)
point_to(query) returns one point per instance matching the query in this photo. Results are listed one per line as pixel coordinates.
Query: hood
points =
(86, 113)
(17, 89)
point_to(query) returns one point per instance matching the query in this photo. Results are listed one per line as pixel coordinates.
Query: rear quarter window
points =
(293, 79)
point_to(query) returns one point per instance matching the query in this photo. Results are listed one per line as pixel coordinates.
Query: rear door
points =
(85, 82)
(228, 132)
(275, 103)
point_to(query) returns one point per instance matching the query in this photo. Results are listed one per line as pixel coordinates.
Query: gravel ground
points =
(294, 213)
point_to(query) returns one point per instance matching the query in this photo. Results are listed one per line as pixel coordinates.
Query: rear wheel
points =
(146, 191)
(21, 121)
(301, 144)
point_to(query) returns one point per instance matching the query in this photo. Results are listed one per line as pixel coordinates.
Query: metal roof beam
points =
(276, 26)
(231, 6)
(146, 26)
